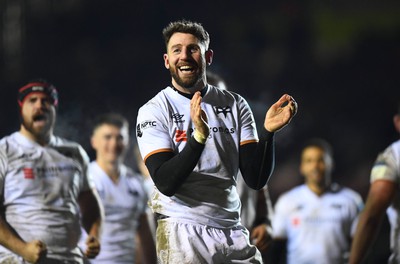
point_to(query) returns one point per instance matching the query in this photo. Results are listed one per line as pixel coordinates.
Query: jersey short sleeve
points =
(387, 164)
(248, 132)
(280, 217)
(76, 152)
(87, 178)
(151, 129)
(3, 168)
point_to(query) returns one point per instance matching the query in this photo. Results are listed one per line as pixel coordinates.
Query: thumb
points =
(90, 239)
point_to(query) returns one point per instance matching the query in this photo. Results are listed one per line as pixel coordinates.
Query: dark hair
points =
(319, 143)
(186, 26)
(110, 119)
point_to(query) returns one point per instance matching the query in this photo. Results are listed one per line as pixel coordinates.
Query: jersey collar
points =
(189, 96)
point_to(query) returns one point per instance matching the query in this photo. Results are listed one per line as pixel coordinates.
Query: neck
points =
(190, 95)
(197, 87)
(110, 168)
(42, 140)
(317, 189)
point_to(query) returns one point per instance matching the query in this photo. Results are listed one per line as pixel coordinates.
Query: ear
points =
(93, 142)
(209, 56)
(396, 122)
(166, 61)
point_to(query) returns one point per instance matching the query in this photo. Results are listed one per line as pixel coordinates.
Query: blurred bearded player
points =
(45, 190)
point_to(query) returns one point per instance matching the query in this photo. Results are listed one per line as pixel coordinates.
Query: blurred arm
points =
(379, 198)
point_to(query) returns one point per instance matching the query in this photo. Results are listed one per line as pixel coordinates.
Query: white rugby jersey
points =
(317, 228)
(208, 196)
(387, 167)
(39, 187)
(124, 202)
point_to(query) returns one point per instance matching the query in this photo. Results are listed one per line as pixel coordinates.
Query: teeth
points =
(185, 67)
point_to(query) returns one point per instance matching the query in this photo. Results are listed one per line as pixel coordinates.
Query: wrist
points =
(199, 137)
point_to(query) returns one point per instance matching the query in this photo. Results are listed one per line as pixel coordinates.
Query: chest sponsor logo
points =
(144, 125)
(336, 206)
(180, 135)
(178, 118)
(28, 173)
(223, 110)
(295, 221)
(48, 172)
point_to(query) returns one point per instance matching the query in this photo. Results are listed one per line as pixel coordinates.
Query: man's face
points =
(110, 142)
(316, 166)
(38, 115)
(186, 60)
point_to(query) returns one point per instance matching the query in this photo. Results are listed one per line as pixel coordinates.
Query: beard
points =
(38, 131)
(187, 82)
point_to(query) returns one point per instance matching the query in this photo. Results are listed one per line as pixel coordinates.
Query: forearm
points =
(169, 171)
(366, 233)
(147, 242)
(263, 209)
(92, 212)
(257, 160)
(10, 240)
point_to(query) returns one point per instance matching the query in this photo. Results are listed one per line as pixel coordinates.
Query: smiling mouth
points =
(187, 69)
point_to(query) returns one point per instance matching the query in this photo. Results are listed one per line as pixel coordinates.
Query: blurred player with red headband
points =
(45, 190)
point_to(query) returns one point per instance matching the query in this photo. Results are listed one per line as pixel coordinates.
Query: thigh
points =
(180, 243)
(196, 244)
(240, 250)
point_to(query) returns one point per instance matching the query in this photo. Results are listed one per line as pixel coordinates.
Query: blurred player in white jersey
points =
(383, 196)
(194, 138)
(256, 206)
(314, 222)
(45, 190)
(122, 193)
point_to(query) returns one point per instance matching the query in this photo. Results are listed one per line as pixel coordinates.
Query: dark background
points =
(339, 59)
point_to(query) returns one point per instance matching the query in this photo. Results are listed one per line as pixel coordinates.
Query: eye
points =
(194, 49)
(46, 101)
(176, 51)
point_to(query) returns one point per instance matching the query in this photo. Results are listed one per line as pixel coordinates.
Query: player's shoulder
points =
(346, 193)
(5, 145)
(393, 151)
(229, 95)
(158, 99)
(158, 105)
(4, 141)
(69, 148)
(390, 152)
(293, 193)
(134, 179)
(130, 174)
(14, 142)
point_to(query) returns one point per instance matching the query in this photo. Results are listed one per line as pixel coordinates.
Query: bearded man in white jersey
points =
(45, 190)
(314, 222)
(383, 197)
(194, 138)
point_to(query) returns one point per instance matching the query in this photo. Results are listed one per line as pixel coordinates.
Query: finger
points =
(284, 99)
(42, 245)
(91, 239)
(293, 106)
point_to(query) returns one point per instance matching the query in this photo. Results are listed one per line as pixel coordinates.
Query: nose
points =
(185, 53)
